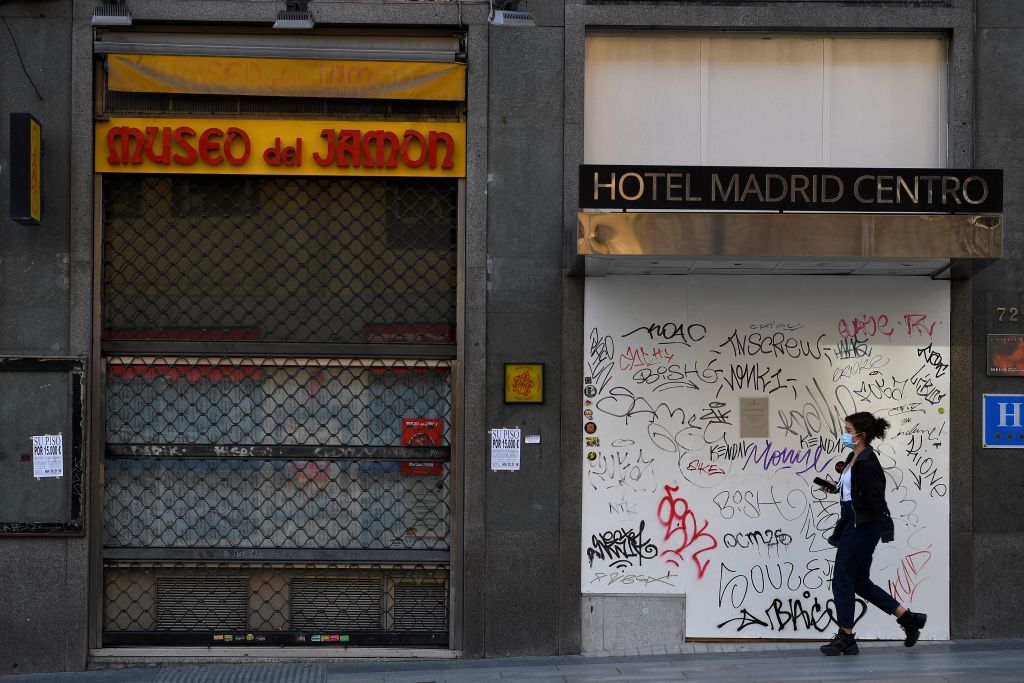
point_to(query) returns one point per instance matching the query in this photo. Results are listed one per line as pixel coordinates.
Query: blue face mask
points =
(848, 440)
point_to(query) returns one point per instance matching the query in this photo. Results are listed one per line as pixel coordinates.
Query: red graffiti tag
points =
(704, 468)
(680, 524)
(908, 577)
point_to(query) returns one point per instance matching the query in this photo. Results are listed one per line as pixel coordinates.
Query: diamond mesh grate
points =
(279, 259)
(254, 498)
(255, 503)
(272, 401)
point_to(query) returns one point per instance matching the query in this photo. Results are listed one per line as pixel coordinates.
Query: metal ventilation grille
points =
(421, 606)
(258, 259)
(343, 604)
(189, 603)
(120, 103)
(280, 603)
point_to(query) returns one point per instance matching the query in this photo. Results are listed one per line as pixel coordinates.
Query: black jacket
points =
(867, 487)
(867, 493)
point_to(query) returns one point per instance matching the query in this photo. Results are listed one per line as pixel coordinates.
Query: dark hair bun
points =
(881, 426)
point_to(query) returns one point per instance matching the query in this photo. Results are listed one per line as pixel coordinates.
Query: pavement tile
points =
(582, 667)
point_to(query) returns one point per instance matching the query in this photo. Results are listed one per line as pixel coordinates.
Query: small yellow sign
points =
(35, 174)
(524, 383)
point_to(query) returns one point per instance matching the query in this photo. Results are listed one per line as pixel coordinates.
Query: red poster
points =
(422, 431)
(421, 469)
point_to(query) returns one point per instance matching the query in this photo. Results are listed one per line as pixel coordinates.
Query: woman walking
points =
(864, 520)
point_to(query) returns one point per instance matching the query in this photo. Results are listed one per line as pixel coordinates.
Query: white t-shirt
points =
(844, 484)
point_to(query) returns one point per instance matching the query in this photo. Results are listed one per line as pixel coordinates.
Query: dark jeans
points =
(852, 573)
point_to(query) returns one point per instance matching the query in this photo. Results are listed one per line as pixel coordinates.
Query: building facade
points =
(277, 276)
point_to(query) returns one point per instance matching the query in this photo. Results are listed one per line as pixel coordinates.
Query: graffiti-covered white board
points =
(710, 404)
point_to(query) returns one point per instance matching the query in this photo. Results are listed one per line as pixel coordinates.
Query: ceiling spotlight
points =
(510, 17)
(295, 16)
(112, 13)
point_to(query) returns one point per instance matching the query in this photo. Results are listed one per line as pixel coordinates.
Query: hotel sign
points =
(277, 147)
(848, 190)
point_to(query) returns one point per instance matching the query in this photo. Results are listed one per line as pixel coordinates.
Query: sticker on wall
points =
(593, 441)
(592, 456)
(590, 428)
(48, 456)
(524, 382)
(754, 417)
(590, 392)
(505, 449)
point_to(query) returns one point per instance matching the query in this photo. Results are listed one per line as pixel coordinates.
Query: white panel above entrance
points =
(765, 100)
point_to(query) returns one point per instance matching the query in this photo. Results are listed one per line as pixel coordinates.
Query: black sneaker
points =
(912, 623)
(842, 644)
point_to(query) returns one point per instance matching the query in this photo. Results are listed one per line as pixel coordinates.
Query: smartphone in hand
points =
(825, 484)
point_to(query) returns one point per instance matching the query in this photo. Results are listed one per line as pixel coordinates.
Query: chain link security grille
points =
(292, 406)
(261, 484)
(263, 259)
(274, 459)
(256, 503)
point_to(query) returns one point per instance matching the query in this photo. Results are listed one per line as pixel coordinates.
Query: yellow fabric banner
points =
(279, 147)
(286, 77)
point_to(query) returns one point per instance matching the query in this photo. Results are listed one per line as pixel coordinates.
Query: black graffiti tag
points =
(621, 547)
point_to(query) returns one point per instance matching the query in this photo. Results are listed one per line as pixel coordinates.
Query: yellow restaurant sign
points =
(278, 147)
(286, 77)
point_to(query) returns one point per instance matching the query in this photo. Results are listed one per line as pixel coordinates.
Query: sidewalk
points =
(988, 661)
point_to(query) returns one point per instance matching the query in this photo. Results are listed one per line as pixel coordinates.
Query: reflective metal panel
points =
(684, 242)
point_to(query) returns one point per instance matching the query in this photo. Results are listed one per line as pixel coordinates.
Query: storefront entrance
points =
(277, 354)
